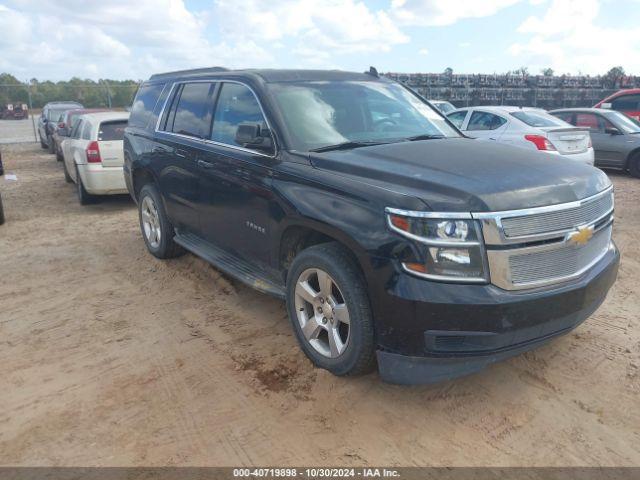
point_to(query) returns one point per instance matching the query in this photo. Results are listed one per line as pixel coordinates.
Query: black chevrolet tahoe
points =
(393, 239)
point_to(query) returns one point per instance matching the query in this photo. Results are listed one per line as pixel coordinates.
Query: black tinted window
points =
(457, 118)
(626, 103)
(485, 121)
(192, 112)
(111, 131)
(236, 105)
(144, 104)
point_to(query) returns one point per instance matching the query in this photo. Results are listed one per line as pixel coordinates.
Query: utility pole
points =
(33, 122)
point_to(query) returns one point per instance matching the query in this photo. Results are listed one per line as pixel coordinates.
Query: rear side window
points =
(76, 129)
(457, 118)
(86, 131)
(110, 131)
(534, 119)
(144, 104)
(485, 121)
(236, 105)
(588, 120)
(191, 110)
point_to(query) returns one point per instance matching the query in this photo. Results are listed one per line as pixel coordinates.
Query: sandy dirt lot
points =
(111, 357)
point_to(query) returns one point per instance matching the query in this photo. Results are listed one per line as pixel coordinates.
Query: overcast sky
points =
(58, 39)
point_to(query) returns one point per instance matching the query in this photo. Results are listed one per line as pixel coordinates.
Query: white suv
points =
(93, 155)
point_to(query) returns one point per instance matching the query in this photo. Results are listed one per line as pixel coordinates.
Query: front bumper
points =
(430, 332)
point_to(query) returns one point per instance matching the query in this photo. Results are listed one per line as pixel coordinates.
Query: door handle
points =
(203, 164)
(182, 153)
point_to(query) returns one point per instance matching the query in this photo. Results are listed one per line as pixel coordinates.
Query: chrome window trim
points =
(500, 271)
(212, 142)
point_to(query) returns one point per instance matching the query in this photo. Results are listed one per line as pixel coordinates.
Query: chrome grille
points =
(558, 263)
(558, 220)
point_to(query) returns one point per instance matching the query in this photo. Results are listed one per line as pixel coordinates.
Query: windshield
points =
(444, 107)
(320, 114)
(54, 115)
(623, 122)
(538, 119)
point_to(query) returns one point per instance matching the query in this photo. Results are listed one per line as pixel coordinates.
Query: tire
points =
(154, 223)
(84, 197)
(51, 145)
(634, 165)
(67, 177)
(42, 143)
(59, 156)
(347, 289)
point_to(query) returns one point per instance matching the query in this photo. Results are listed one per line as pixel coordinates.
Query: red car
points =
(626, 101)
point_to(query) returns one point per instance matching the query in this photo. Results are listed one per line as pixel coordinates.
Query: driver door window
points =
(457, 118)
(236, 106)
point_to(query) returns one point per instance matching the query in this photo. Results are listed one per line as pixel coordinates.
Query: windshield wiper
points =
(346, 146)
(424, 136)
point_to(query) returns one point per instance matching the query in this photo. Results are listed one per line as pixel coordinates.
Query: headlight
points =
(452, 248)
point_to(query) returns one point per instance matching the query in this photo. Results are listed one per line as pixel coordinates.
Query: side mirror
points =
(254, 137)
(612, 131)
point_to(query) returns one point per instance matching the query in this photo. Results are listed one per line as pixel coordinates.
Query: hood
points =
(461, 174)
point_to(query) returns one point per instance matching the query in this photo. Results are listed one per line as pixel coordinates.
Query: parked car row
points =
(601, 137)
(89, 144)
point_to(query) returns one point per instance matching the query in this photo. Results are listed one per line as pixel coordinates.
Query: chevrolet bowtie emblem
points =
(581, 236)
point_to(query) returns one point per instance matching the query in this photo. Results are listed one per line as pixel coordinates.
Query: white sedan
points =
(94, 156)
(525, 127)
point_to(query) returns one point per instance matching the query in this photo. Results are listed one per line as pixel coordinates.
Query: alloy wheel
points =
(151, 222)
(322, 313)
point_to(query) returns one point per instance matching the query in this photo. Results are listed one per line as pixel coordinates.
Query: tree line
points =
(90, 93)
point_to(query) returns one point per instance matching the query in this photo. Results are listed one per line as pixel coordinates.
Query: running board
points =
(230, 264)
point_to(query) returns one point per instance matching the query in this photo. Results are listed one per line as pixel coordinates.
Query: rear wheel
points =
(43, 144)
(329, 310)
(51, 145)
(634, 165)
(67, 177)
(157, 230)
(84, 197)
(59, 156)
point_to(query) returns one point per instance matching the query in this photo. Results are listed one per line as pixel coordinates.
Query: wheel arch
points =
(630, 156)
(295, 236)
(140, 177)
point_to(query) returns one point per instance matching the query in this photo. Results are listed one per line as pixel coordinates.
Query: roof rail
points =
(193, 71)
(373, 72)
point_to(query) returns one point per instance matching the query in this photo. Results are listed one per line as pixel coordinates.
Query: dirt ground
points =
(109, 356)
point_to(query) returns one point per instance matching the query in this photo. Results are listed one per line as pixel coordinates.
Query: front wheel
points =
(157, 230)
(329, 310)
(634, 165)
